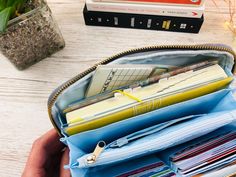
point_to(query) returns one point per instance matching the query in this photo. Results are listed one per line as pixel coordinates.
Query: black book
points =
(140, 21)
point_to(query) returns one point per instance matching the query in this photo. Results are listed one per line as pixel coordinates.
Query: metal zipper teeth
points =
(114, 57)
(232, 175)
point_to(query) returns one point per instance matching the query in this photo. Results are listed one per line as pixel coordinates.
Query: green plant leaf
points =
(19, 4)
(2, 5)
(8, 10)
(4, 18)
(11, 2)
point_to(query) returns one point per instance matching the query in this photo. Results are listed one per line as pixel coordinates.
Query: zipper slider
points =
(97, 151)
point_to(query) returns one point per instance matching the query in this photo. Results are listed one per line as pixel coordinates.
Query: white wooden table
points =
(24, 94)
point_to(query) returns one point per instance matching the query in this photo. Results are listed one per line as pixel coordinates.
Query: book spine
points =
(147, 9)
(151, 22)
(160, 2)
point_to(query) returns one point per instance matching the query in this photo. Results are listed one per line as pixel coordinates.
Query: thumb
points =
(64, 161)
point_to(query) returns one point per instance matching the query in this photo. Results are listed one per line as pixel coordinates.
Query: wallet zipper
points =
(67, 84)
(111, 157)
(96, 153)
(148, 131)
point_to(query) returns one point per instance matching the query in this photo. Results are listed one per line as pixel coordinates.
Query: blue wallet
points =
(141, 145)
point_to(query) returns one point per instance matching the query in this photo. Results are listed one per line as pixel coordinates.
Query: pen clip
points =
(97, 151)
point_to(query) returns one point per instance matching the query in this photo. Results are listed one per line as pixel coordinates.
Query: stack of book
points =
(166, 15)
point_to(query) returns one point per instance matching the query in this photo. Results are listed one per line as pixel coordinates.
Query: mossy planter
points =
(31, 37)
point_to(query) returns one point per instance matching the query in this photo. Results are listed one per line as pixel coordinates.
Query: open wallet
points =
(157, 111)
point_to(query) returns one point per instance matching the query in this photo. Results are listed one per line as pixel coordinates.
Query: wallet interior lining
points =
(130, 165)
(162, 140)
(202, 105)
(177, 58)
(85, 142)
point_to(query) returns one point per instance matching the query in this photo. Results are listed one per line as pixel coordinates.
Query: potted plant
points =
(28, 32)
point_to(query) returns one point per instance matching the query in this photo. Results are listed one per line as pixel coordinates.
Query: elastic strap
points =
(128, 95)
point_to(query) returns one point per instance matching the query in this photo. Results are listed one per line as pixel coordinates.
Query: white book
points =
(160, 2)
(148, 9)
(182, 3)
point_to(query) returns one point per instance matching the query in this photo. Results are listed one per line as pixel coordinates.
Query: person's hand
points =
(47, 157)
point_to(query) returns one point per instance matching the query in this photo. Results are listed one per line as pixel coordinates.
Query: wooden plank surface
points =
(24, 94)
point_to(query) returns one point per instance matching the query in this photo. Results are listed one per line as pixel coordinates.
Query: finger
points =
(65, 161)
(50, 142)
(43, 148)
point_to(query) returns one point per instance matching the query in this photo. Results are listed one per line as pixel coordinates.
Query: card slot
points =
(170, 153)
(130, 165)
(148, 131)
(87, 140)
(144, 166)
(166, 138)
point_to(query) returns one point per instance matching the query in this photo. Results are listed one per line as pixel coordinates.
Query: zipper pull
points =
(97, 151)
